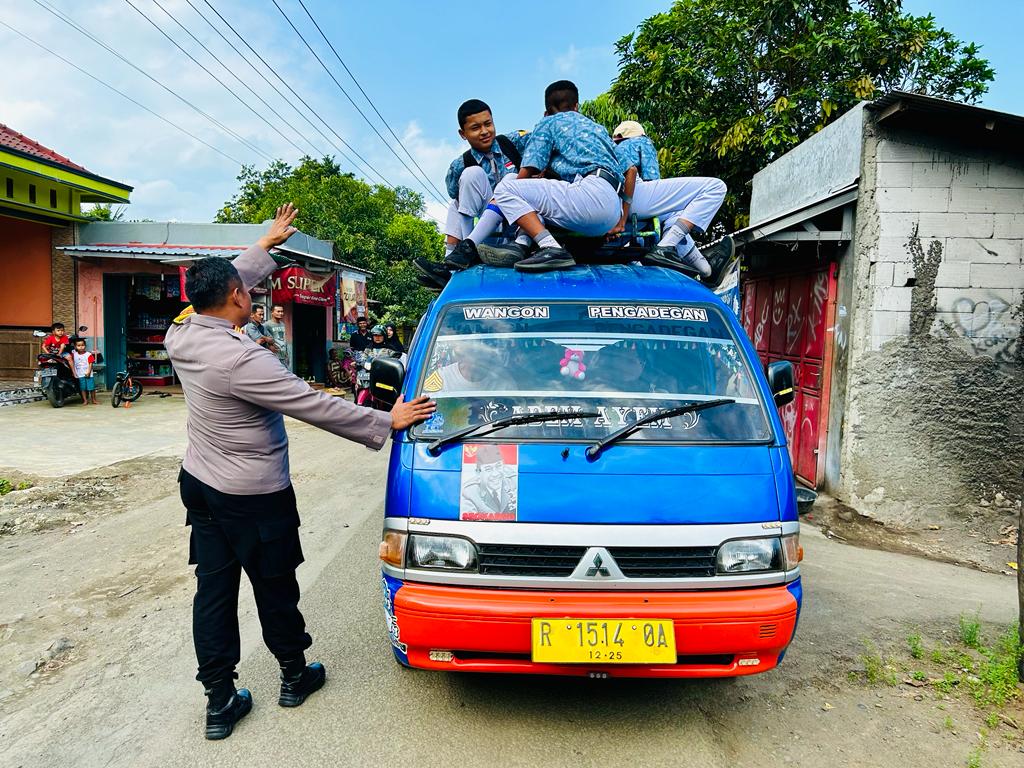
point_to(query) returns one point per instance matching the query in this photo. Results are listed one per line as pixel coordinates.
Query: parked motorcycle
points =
(54, 377)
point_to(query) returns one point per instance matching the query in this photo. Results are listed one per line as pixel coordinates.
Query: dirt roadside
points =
(96, 663)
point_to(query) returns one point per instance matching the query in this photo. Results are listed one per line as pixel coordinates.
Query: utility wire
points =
(79, 28)
(120, 93)
(244, 84)
(224, 85)
(368, 99)
(277, 90)
(361, 113)
(298, 96)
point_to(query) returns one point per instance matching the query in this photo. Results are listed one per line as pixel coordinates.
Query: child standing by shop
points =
(83, 360)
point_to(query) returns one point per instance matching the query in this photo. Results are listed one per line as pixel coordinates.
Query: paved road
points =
(128, 698)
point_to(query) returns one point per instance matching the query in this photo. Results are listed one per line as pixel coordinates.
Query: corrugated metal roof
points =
(166, 251)
(19, 142)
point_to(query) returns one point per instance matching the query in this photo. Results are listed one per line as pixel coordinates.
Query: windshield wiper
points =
(614, 437)
(487, 427)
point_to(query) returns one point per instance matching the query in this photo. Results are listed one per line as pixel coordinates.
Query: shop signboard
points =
(352, 302)
(295, 284)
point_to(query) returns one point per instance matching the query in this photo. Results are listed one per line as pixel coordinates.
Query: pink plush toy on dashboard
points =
(572, 364)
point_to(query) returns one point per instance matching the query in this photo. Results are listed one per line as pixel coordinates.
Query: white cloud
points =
(566, 63)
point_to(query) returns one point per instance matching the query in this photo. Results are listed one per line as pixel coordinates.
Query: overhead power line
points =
(82, 30)
(425, 186)
(224, 85)
(368, 99)
(297, 95)
(120, 93)
(241, 82)
(276, 90)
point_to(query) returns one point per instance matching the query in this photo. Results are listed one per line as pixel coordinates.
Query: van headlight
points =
(747, 555)
(442, 552)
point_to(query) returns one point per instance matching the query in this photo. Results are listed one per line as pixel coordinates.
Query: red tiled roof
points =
(21, 143)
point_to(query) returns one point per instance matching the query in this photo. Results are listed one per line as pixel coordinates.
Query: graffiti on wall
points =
(990, 326)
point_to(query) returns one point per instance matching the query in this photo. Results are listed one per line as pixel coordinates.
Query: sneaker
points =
(720, 256)
(547, 259)
(463, 256)
(296, 687)
(666, 256)
(430, 274)
(221, 721)
(502, 255)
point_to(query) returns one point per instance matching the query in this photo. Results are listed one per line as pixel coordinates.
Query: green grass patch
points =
(916, 646)
(6, 486)
(970, 631)
(876, 668)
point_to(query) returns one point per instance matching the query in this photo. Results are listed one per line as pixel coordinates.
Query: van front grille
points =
(665, 562)
(528, 560)
(560, 562)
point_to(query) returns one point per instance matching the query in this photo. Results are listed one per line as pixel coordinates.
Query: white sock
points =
(448, 248)
(489, 222)
(674, 234)
(545, 240)
(524, 239)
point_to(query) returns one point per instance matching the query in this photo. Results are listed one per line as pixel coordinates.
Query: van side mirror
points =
(780, 382)
(386, 377)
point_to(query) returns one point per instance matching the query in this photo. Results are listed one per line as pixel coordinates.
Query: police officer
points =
(235, 481)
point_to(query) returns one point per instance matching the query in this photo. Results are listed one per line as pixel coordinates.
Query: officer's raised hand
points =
(405, 414)
(280, 228)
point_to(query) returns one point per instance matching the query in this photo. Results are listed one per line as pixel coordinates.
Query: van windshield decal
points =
(626, 362)
(643, 311)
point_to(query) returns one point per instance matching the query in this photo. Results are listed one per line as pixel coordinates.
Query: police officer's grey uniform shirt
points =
(236, 392)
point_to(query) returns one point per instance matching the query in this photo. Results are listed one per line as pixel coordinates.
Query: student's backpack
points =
(508, 149)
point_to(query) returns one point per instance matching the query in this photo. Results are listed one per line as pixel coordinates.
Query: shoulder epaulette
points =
(184, 313)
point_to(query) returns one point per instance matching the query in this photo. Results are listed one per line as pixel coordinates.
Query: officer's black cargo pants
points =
(260, 535)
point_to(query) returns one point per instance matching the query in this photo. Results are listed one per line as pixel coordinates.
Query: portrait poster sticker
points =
(489, 488)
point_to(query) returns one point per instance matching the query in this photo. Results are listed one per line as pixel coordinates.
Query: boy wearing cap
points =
(686, 204)
(583, 197)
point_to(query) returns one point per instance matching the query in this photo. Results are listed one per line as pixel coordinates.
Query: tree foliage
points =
(373, 227)
(725, 86)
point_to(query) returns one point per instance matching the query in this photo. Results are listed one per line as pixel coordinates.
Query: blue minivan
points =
(604, 489)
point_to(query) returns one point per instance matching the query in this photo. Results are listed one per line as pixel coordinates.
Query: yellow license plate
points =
(603, 641)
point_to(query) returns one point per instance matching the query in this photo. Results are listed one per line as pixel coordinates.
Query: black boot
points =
(545, 260)
(224, 707)
(299, 681)
(430, 274)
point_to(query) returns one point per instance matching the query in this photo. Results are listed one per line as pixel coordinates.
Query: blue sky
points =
(417, 60)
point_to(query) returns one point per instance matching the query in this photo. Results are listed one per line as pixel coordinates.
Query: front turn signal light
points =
(792, 551)
(392, 548)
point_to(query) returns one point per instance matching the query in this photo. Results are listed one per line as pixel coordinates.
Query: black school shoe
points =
(221, 721)
(720, 256)
(502, 255)
(666, 256)
(296, 687)
(546, 260)
(430, 274)
(463, 256)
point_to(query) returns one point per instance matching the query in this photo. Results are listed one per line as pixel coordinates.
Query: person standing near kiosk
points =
(235, 480)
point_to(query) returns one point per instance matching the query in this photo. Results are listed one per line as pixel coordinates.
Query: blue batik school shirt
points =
(504, 164)
(639, 152)
(571, 145)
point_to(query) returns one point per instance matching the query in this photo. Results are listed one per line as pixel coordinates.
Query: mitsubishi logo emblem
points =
(597, 564)
(598, 568)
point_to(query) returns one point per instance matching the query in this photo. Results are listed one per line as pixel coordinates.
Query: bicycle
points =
(126, 389)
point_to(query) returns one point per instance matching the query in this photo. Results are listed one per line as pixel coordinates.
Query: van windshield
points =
(623, 361)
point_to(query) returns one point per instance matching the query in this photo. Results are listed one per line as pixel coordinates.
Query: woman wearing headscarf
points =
(391, 340)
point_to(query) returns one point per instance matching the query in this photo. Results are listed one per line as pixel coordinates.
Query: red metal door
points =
(787, 317)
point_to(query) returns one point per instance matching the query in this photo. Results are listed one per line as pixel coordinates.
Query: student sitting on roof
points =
(471, 179)
(684, 205)
(583, 198)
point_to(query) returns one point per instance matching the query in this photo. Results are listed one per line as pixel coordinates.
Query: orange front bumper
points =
(488, 630)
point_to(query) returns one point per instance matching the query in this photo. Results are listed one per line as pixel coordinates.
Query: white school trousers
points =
(589, 206)
(694, 198)
(474, 194)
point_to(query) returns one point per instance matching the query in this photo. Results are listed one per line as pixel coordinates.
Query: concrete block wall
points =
(933, 415)
(972, 204)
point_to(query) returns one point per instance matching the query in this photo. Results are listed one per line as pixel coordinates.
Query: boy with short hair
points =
(470, 181)
(82, 362)
(583, 198)
(57, 342)
(685, 205)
